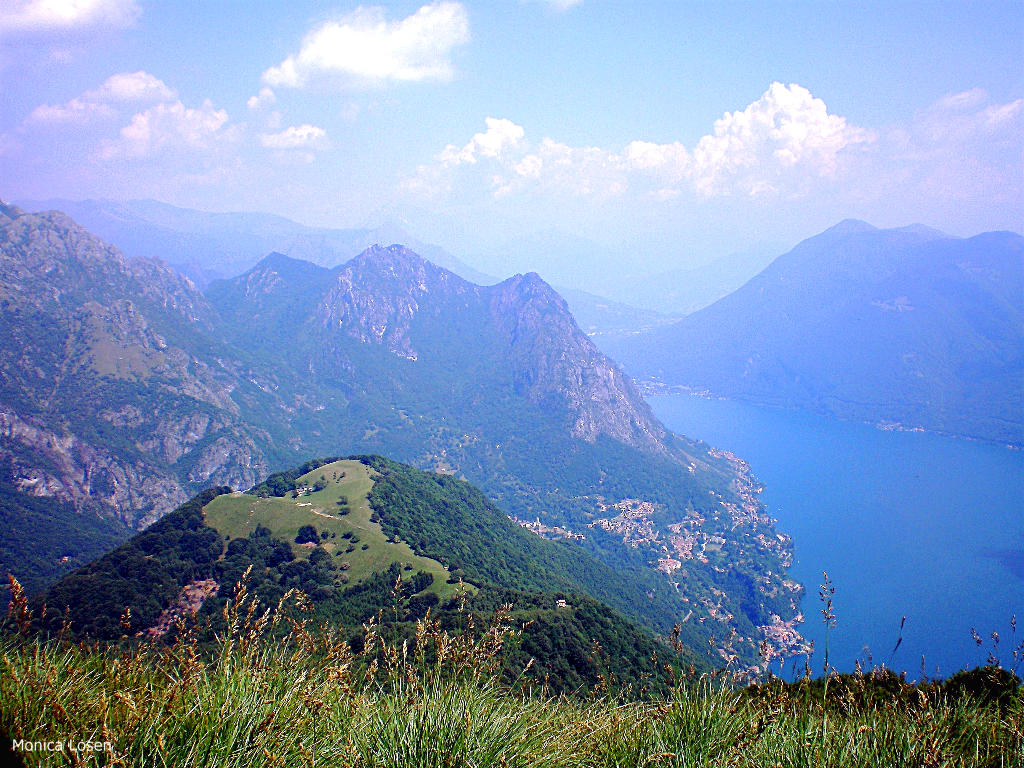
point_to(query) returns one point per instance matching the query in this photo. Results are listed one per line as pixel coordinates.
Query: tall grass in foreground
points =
(277, 691)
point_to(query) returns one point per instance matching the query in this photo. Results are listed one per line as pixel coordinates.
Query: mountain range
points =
(903, 326)
(207, 246)
(631, 274)
(125, 390)
(681, 291)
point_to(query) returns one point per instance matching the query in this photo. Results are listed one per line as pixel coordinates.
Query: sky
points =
(664, 134)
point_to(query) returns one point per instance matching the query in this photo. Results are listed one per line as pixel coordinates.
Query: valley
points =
(389, 354)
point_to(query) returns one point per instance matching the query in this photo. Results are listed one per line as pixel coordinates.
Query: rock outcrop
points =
(113, 396)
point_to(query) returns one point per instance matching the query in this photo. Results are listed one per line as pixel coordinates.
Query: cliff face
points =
(553, 359)
(379, 296)
(110, 397)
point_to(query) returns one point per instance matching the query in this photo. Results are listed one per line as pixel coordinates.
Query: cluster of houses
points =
(633, 523)
(547, 531)
(781, 639)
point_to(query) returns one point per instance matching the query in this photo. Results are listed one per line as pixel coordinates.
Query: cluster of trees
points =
(44, 538)
(453, 522)
(126, 590)
(282, 483)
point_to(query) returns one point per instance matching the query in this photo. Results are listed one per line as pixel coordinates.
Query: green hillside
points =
(333, 530)
(331, 498)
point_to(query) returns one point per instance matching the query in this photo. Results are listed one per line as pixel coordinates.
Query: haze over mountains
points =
(207, 246)
(125, 390)
(902, 325)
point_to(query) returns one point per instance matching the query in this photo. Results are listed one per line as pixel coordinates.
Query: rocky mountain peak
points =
(376, 295)
(397, 267)
(555, 360)
(51, 258)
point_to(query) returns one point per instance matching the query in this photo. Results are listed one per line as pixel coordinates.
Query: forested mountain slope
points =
(332, 534)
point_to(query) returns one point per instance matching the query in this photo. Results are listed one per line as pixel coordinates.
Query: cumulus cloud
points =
(364, 49)
(500, 135)
(957, 164)
(157, 127)
(42, 16)
(785, 133)
(124, 88)
(149, 143)
(132, 86)
(167, 127)
(263, 99)
(780, 144)
(78, 110)
(295, 137)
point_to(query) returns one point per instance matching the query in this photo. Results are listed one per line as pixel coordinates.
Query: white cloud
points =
(963, 100)
(123, 88)
(781, 144)
(295, 137)
(129, 87)
(158, 127)
(167, 127)
(18, 16)
(365, 49)
(530, 166)
(785, 136)
(78, 110)
(500, 135)
(956, 165)
(562, 5)
(263, 99)
(958, 149)
(644, 154)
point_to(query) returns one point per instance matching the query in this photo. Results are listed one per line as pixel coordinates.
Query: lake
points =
(906, 524)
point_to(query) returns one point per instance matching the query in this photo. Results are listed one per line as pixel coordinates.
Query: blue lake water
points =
(904, 523)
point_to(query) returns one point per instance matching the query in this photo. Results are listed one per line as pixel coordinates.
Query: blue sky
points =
(674, 132)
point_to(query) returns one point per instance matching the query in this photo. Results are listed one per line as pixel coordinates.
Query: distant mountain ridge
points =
(599, 317)
(905, 325)
(207, 246)
(682, 291)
